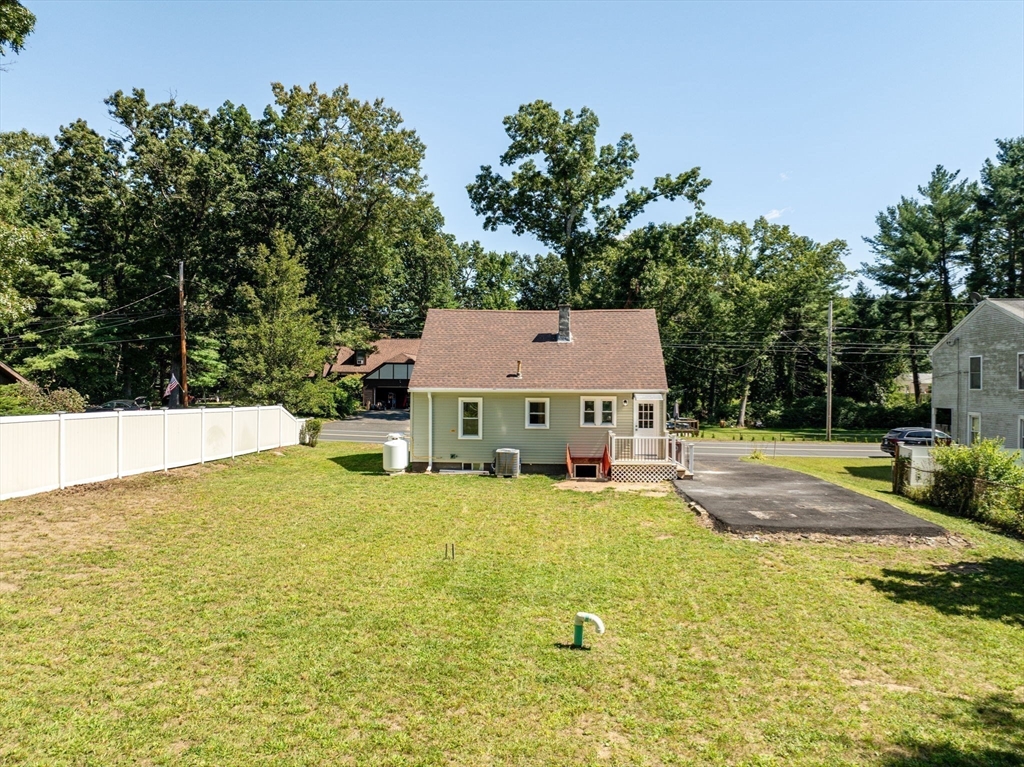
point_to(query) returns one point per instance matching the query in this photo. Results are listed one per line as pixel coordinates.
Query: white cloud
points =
(774, 213)
(785, 176)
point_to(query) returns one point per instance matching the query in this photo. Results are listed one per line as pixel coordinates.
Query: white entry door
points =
(645, 419)
(645, 429)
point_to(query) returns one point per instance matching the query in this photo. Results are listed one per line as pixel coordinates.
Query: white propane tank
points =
(396, 454)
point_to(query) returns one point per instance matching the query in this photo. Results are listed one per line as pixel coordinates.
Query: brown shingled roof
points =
(388, 350)
(611, 350)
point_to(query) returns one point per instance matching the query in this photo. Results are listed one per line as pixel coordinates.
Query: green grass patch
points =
(790, 435)
(297, 609)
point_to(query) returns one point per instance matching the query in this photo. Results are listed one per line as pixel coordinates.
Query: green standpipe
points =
(581, 618)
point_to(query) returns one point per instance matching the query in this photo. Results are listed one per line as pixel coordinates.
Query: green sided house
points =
(576, 392)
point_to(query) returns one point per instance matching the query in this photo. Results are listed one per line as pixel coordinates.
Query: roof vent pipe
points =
(519, 368)
(564, 331)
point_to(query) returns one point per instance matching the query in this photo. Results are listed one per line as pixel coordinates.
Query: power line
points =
(95, 316)
(99, 343)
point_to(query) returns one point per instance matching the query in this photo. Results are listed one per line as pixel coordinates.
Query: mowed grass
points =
(297, 609)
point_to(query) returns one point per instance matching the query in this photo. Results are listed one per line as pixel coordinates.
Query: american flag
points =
(171, 386)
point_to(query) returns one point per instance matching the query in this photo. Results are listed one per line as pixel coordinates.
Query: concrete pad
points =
(748, 497)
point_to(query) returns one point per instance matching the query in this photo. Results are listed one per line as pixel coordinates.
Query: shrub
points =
(350, 395)
(847, 413)
(982, 481)
(309, 434)
(29, 399)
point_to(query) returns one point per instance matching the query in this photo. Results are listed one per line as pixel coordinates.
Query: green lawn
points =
(296, 609)
(791, 435)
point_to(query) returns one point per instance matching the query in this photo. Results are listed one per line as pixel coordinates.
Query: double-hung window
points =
(973, 427)
(597, 411)
(471, 418)
(537, 413)
(975, 382)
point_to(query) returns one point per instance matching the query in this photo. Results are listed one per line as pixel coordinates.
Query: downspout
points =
(430, 431)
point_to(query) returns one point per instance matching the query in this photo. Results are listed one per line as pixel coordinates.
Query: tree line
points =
(310, 224)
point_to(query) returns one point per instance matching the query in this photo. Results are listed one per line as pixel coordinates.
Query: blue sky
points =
(817, 114)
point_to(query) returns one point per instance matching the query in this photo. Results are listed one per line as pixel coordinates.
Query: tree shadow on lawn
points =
(997, 719)
(361, 463)
(992, 589)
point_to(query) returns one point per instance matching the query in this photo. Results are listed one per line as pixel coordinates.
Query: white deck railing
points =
(667, 449)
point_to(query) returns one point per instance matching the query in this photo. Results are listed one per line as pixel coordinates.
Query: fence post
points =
(202, 434)
(61, 451)
(257, 428)
(280, 424)
(166, 437)
(120, 444)
(232, 431)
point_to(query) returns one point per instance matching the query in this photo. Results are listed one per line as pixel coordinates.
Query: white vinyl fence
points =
(47, 452)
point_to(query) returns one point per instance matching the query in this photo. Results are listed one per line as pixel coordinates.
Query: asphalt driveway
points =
(372, 426)
(752, 497)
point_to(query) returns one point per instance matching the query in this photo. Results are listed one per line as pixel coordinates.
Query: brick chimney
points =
(564, 331)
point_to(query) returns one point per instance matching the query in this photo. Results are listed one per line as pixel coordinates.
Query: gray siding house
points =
(578, 392)
(978, 375)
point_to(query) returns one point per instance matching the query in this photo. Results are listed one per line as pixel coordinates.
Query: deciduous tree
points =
(569, 203)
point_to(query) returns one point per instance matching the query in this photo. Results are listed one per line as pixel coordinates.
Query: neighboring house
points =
(9, 375)
(581, 391)
(905, 383)
(385, 370)
(978, 375)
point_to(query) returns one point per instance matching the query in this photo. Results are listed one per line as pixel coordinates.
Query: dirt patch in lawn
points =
(83, 517)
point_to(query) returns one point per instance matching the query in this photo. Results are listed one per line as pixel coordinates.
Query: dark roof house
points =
(580, 392)
(385, 370)
(9, 375)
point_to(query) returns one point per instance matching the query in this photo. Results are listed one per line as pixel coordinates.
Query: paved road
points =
(750, 497)
(376, 425)
(367, 427)
(714, 449)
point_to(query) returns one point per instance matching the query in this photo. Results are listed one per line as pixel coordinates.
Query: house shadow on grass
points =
(992, 589)
(879, 473)
(997, 720)
(361, 463)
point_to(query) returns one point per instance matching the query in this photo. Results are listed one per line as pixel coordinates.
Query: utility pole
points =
(827, 385)
(181, 318)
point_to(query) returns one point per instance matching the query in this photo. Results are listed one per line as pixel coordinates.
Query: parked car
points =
(139, 403)
(912, 435)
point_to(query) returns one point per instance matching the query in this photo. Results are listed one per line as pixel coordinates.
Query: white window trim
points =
(1020, 366)
(597, 412)
(970, 432)
(547, 413)
(480, 417)
(981, 372)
